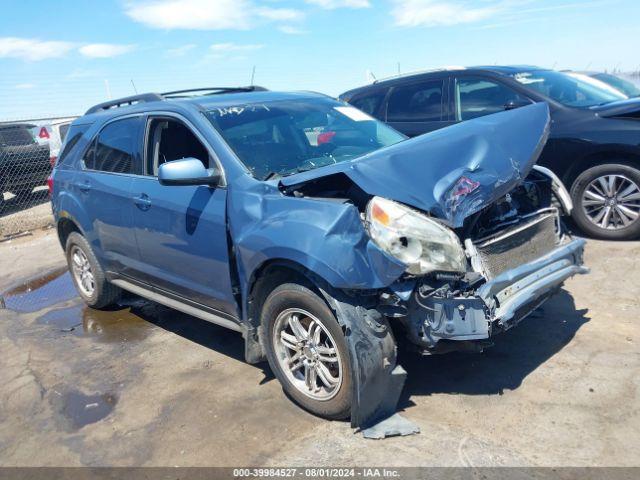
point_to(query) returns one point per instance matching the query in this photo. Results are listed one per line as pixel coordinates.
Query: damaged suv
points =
(318, 232)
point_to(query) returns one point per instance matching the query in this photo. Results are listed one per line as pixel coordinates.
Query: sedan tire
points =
(607, 201)
(307, 351)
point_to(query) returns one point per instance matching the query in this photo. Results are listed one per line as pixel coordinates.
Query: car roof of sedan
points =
(496, 69)
(204, 99)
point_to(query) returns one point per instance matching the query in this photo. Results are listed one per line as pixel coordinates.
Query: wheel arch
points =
(599, 158)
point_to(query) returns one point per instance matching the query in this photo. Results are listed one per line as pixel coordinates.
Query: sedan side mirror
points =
(187, 171)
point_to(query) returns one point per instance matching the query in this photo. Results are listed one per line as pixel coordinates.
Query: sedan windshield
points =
(572, 91)
(279, 138)
(624, 86)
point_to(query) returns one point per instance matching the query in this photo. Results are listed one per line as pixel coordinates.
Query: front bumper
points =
(498, 304)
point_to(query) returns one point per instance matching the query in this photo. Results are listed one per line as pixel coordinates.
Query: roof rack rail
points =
(215, 90)
(143, 98)
(155, 97)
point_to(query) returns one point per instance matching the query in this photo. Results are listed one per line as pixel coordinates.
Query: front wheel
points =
(607, 201)
(307, 351)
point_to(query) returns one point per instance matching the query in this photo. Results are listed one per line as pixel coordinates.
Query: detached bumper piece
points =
(475, 315)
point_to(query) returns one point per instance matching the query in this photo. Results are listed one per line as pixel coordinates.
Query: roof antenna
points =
(253, 75)
(370, 76)
(107, 88)
(134, 87)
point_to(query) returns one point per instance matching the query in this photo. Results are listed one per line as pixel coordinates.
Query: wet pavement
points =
(141, 384)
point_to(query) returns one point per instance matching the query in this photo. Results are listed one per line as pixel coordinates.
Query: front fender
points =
(326, 237)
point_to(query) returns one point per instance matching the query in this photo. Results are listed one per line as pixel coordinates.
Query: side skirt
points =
(169, 300)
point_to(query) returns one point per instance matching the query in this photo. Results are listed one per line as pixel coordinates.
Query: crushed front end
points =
(517, 256)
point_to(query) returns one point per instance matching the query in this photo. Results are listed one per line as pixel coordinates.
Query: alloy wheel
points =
(81, 269)
(307, 354)
(612, 201)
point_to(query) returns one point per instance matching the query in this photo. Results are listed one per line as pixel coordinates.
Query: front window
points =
(283, 137)
(568, 90)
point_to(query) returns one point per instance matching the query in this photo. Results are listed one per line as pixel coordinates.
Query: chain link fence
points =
(28, 150)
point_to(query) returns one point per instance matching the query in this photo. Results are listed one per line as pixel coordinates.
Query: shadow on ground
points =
(516, 354)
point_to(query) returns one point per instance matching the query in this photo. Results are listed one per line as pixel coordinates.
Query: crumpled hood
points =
(619, 108)
(454, 172)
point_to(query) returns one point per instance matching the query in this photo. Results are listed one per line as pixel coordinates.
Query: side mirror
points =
(187, 171)
(513, 104)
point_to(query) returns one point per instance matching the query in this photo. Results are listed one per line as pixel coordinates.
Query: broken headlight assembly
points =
(418, 241)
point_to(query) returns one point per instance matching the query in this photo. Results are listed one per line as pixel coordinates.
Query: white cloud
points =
(181, 51)
(104, 50)
(206, 14)
(233, 47)
(333, 4)
(24, 86)
(292, 30)
(33, 49)
(432, 13)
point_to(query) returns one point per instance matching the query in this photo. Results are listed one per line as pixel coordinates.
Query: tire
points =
(331, 400)
(102, 294)
(586, 192)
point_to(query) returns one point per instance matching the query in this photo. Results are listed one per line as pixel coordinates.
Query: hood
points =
(454, 172)
(620, 108)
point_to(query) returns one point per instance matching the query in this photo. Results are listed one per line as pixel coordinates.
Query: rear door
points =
(418, 106)
(181, 231)
(103, 186)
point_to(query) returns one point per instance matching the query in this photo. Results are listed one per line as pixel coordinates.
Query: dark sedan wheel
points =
(307, 350)
(607, 201)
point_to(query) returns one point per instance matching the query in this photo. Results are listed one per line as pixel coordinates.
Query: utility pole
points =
(134, 87)
(107, 88)
(253, 75)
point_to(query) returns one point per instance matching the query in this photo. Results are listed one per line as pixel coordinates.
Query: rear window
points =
(64, 129)
(369, 102)
(417, 102)
(14, 136)
(115, 148)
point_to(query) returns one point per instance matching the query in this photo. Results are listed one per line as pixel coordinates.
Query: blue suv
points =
(320, 234)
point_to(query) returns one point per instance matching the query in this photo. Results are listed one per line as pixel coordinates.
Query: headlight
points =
(413, 238)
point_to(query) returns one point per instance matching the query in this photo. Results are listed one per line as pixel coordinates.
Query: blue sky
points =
(59, 58)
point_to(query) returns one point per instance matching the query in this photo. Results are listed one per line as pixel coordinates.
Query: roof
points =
(215, 98)
(496, 69)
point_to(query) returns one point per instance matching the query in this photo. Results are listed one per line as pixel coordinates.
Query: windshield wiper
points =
(270, 175)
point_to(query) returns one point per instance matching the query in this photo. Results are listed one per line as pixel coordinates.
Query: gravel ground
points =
(144, 385)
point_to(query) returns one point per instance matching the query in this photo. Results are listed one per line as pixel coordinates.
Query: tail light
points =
(44, 133)
(326, 137)
(52, 161)
(50, 185)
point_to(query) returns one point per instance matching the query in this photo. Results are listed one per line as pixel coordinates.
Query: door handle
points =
(143, 202)
(84, 187)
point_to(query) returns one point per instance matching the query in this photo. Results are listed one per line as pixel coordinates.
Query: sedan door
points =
(181, 231)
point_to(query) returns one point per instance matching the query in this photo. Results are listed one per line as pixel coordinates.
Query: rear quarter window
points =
(74, 135)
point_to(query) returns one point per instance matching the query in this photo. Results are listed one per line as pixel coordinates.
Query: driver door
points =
(181, 231)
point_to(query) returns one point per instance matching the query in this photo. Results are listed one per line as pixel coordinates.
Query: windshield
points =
(572, 91)
(283, 137)
(624, 86)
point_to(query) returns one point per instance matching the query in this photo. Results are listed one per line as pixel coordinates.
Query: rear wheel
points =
(307, 351)
(87, 274)
(607, 201)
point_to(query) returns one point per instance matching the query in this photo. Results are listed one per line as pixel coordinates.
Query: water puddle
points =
(51, 289)
(79, 410)
(109, 326)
